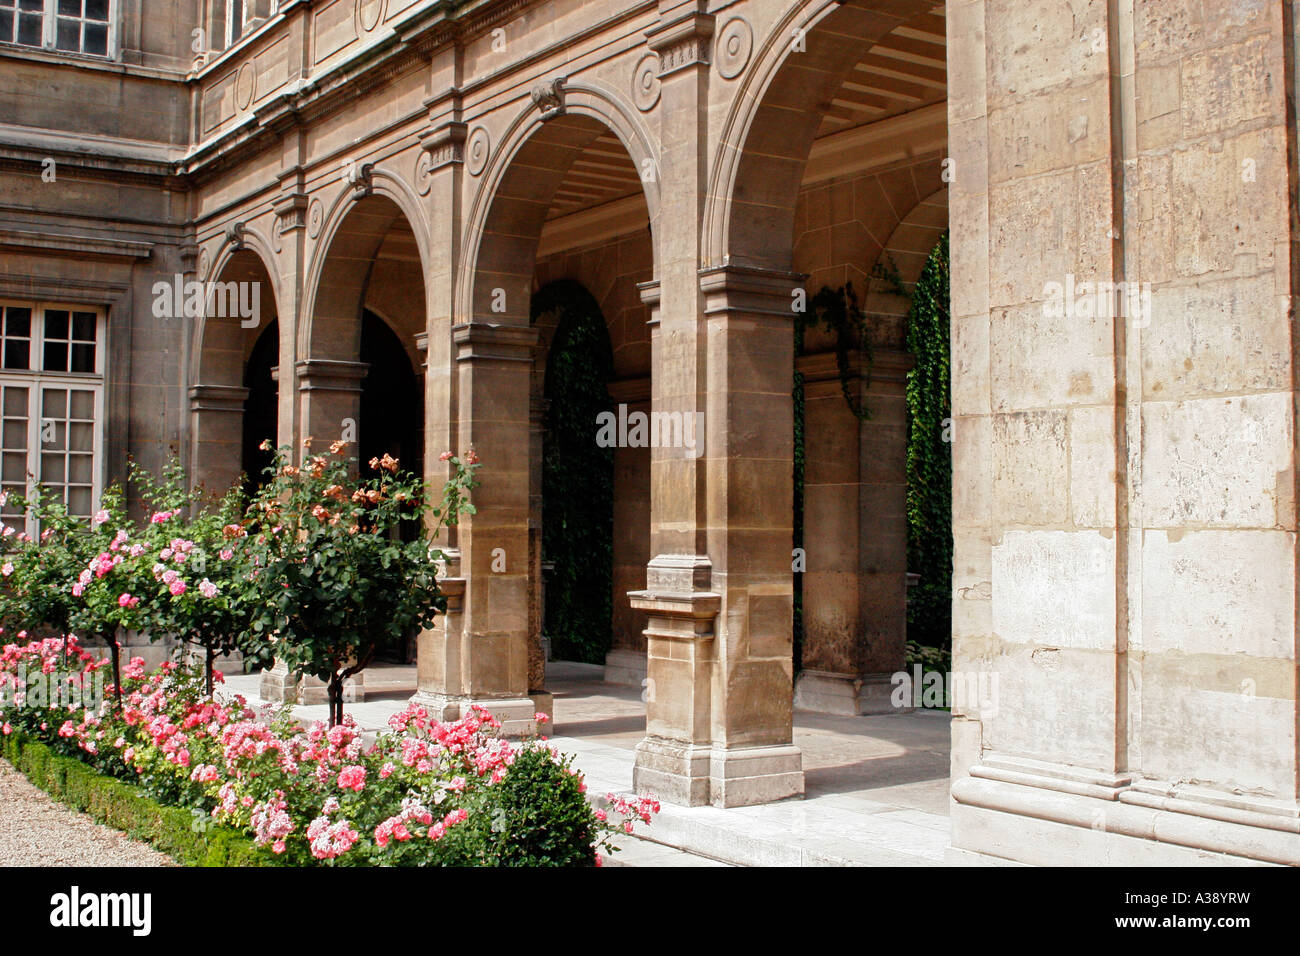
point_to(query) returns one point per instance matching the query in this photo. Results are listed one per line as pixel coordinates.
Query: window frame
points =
(50, 32)
(37, 380)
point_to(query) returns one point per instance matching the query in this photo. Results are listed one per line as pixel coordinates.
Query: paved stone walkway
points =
(877, 787)
(37, 830)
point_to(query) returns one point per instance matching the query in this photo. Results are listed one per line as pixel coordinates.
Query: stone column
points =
(718, 589)
(626, 661)
(1124, 463)
(855, 535)
(217, 434)
(487, 662)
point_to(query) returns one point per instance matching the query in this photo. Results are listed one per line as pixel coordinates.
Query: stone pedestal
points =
(278, 686)
(828, 693)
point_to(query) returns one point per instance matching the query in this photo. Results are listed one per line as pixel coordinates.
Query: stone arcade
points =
(397, 178)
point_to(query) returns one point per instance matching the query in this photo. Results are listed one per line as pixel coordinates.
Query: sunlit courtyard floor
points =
(876, 787)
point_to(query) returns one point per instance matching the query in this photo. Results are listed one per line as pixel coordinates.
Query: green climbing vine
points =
(929, 455)
(577, 476)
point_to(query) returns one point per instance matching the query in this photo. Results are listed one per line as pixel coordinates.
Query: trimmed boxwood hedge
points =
(124, 807)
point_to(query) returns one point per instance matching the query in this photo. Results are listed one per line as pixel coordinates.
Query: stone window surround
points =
(37, 379)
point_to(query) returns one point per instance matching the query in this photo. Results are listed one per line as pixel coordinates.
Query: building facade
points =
(227, 220)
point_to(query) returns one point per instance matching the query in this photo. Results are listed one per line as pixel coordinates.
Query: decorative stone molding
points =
(482, 341)
(734, 47)
(244, 87)
(549, 98)
(478, 151)
(189, 257)
(369, 13)
(441, 147)
(361, 176)
(290, 215)
(683, 42)
(236, 234)
(329, 375)
(315, 218)
(204, 263)
(646, 88)
(217, 398)
(752, 290)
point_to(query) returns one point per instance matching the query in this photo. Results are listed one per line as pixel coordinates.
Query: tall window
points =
(51, 402)
(75, 26)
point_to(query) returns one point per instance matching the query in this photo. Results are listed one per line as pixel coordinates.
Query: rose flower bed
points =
(313, 570)
(424, 793)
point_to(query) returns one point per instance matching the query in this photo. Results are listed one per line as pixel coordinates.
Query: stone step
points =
(637, 852)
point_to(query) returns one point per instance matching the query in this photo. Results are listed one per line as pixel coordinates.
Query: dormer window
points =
(71, 26)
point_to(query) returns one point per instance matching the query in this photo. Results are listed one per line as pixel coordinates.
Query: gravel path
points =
(37, 830)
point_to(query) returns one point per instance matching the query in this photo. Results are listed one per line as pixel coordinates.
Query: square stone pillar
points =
(330, 400)
(1124, 494)
(484, 658)
(720, 701)
(216, 435)
(855, 535)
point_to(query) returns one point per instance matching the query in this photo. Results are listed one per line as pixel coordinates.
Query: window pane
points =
(6, 25)
(56, 357)
(37, 5)
(83, 326)
(18, 321)
(54, 403)
(29, 29)
(79, 501)
(83, 358)
(56, 324)
(81, 436)
(17, 353)
(96, 39)
(15, 402)
(69, 35)
(54, 435)
(83, 405)
(80, 469)
(70, 8)
(96, 9)
(14, 434)
(51, 469)
(13, 466)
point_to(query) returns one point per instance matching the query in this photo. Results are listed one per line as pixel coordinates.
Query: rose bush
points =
(330, 580)
(422, 793)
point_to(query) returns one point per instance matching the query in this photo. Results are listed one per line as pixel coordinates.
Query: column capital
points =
(445, 143)
(217, 398)
(681, 41)
(482, 341)
(328, 375)
(749, 289)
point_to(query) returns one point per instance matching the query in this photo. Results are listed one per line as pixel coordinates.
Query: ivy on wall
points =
(929, 455)
(577, 476)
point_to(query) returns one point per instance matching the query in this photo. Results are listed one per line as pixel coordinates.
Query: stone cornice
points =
(482, 341)
(79, 246)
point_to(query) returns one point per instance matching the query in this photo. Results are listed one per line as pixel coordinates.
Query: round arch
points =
(384, 186)
(535, 154)
(768, 133)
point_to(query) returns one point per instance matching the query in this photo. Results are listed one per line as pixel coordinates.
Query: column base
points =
(279, 687)
(627, 667)
(516, 714)
(821, 692)
(696, 775)
(1013, 809)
